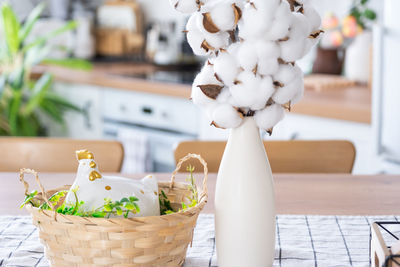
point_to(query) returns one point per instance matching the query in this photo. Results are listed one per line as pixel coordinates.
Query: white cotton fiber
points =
(287, 73)
(205, 77)
(287, 93)
(224, 96)
(247, 55)
(313, 17)
(269, 116)
(223, 15)
(226, 116)
(191, 25)
(268, 54)
(280, 25)
(252, 91)
(292, 49)
(195, 40)
(226, 67)
(217, 40)
(184, 6)
(255, 22)
(300, 27)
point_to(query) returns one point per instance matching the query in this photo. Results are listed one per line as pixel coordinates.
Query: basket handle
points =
(22, 173)
(203, 162)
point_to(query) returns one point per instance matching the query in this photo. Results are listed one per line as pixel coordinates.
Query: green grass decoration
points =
(123, 207)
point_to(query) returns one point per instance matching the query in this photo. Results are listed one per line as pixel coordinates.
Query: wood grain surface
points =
(318, 194)
(352, 103)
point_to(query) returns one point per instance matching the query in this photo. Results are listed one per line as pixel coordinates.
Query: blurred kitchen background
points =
(138, 88)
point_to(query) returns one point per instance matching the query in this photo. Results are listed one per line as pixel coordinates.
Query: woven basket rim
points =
(202, 202)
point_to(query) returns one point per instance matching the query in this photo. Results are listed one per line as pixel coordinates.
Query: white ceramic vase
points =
(358, 58)
(245, 201)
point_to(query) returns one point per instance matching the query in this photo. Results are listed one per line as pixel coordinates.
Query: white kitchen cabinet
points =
(81, 126)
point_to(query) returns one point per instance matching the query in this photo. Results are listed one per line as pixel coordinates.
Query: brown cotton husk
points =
(295, 6)
(236, 82)
(238, 13)
(255, 69)
(316, 34)
(218, 78)
(209, 24)
(211, 90)
(270, 102)
(232, 36)
(278, 84)
(206, 46)
(283, 62)
(213, 123)
(284, 39)
(269, 131)
(253, 5)
(288, 106)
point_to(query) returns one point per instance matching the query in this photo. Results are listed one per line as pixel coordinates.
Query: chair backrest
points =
(285, 156)
(57, 154)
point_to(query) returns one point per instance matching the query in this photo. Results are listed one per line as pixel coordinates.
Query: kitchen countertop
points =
(351, 103)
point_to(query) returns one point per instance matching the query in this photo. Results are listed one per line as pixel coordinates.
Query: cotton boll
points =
(184, 6)
(224, 96)
(255, 22)
(300, 27)
(252, 91)
(233, 48)
(268, 117)
(247, 55)
(195, 40)
(281, 23)
(223, 15)
(268, 66)
(287, 73)
(264, 92)
(226, 116)
(191, 25)
(226, 67)
(299, 95)
(268, 53)
(286, 93)
(313, 17)
(205, 77)
(292, 49)
(217, 40)
(245, 92)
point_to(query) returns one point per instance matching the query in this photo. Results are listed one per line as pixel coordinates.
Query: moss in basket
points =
(165, 203)
(117, 208)
(122, 207)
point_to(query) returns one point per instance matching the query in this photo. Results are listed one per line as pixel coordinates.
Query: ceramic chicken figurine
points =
(93, 188)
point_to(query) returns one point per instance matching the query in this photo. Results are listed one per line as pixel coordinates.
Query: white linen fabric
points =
(137, 158)
(325, 241)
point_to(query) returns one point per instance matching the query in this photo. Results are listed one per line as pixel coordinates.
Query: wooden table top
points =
(318, 194)
(352, 103)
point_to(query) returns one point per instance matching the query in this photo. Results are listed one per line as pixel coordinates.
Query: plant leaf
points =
(52, 111)
(43, 39)
(39, 91)
(11, 28)
(370, 14)
(59, 101)
(72, 63)
(30, 21)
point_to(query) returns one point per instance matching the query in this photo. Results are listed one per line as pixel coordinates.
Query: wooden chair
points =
(56, 154)
(284, 156)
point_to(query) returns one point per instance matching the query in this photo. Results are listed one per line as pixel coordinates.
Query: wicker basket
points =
(142, 241)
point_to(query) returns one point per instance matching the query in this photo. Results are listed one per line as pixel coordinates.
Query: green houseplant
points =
(24, 100)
